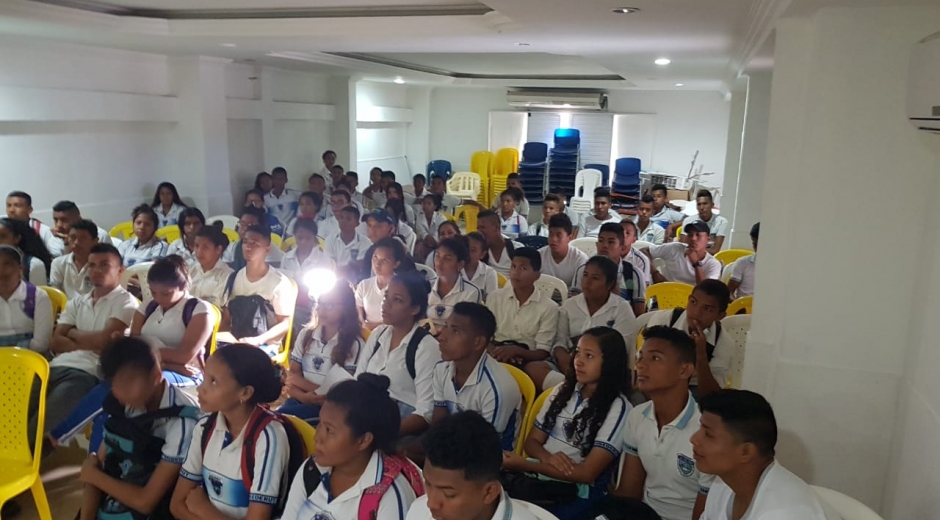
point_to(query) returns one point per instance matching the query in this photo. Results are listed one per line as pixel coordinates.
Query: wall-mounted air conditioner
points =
(560, 99)
(923, 98)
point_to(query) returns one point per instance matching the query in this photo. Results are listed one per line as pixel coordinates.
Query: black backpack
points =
(709, 348)
(410, 350)
(250, 315)
(133, 453)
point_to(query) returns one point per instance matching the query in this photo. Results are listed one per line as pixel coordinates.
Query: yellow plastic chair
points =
(169, 234)
(669, 295)
(448, 216)
(507, 161)
(276, 240)
(283, 357)
(728, 256)
(290, 243)
(307, 432)
(500, 280)
(124, 230)
(58, 299)
(217, 316)
(365, 332)
(482, 164)
(18, 369)
(231, 234)
(527, 388)
(469, 214)
(530, 417)
(679, 232)
(745, 304)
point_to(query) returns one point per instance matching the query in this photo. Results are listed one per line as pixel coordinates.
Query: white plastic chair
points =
(536, 511)
(736, 328)
(228, 221)
(140, 270)
(410, 242)
(845, 506)
(589, 179)
(464, 185)
(582, 205)
(428, 272)
(549, 286)
(586, 244)
(726, 272)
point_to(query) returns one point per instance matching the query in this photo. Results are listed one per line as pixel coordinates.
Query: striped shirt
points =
(441, 305)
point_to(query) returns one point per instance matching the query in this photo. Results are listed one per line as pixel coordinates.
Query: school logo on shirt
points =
(686, 465)
(322, 515)
(318, 362)
(610, 324)
(440, 310)
(216, 484)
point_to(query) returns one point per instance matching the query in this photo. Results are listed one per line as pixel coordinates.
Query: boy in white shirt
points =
(742, 270)
(663, 213)
(736, 443)
(602, 215)
(281, 201)
(640, 261)
(630, 285)
(512, 224)
(575, 217)
(717, 225)
(559, 259)
(20, 207)
(69, 273)
(449, 202)
(65, 214)
(339, 199)
(499, 248)
(686, 263)
(646, 229)
(551, 206)
(348, 247)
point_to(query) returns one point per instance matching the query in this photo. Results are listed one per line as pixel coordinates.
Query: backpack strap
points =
(207, 432)
(411, 350)
(311, 476)
(392, 466)
(676, 314)
(27, 263)
(230, 283)
(151, 308)
(188, 310)
(29, 304)
(256, 424)
(377, 344)
(510, 248)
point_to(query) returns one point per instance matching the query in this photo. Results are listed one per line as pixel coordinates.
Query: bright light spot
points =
(663, 61)
(228, 45)
(565, 120)
(400, 80)
(319, 282)
(679, 85)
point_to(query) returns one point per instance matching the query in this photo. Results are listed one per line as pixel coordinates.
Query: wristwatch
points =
(697, 264)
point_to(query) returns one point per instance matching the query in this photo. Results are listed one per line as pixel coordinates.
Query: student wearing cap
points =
(717, 225)
(686, 263)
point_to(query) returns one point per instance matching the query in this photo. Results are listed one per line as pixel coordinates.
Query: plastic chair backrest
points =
(276, 240)
(169, 234)
(124, 230)
(507, 161)
(845, 506)
(736, 328)
(586, 244)
(534, 152)
(729, 256)
(18, 369)
(283, 357)
(679, 232)
(527, 389)
(726, 273)
(581, 204)
(307, 432)
(532, 414)
(469, 214)
(217, 316)
(550, 286)
(288, 244)
(745, 303)
(586, 181)
(482, 163)
(537, 512)
(669, 295)
(439, 168)
(628, 166)
(428, 272)
(410, 241)
(58, 299)
(140, 270)
(228, 221)
(464, 185)
(500, 280)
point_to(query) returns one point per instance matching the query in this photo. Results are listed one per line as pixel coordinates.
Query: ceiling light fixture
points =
(662, 61)
(627, 10)
(228, 45)
(399, 80)
(679, 85)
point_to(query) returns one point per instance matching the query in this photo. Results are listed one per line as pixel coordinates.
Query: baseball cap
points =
(380, 215)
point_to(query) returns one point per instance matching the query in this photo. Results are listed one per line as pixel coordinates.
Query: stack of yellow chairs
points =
(507, 161)
(482, 164)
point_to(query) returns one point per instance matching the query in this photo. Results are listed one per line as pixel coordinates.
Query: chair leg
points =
(42, 503)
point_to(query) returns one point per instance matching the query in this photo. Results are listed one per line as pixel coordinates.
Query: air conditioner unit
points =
(923, 98)
(557, 99)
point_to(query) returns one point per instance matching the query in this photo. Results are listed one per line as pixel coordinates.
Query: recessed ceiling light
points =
(523, 44)
(662, 61)
(627, 10)
(228, 45)
(400, 80)
(679, 85)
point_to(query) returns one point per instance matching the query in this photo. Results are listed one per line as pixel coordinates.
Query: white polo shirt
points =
(274, 256)
(168, 325)
(672, 480)
(178, 247)
(513, 226)
(717, 226)
(567, 268)
(678, 267)
(369, 296)
(134, 252)
(210, 285)
(284, 208)
(16, 325)
(219, 468)
(779, 495)
(641, 263)
(720, 364)
(484, 278)
(295, 269)
(56, 245)
(343, 253)
(667, 216)
(505, 261)
(743, 271)
(489, 390)
(592, 226)
(418, 392)
(86, 315)
(176, 432)
(275, 287)
(534, 323)
(315, 356)
(325, 229)
(441, 305)
(631, 284)
(506, 510)
(68, 277)
(654, 233)
(609, 436)
(170, 218)
(574, 318)
(424, 228)
(37, 272)
(322, 505)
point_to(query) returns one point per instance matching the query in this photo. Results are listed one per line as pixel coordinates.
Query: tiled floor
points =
(60, 478)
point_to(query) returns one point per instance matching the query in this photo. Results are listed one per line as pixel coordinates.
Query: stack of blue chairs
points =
(564, 159)
(532, 168)
(603, 168)
(625, 191)
(439, 168)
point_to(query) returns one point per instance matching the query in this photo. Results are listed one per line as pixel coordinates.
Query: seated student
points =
(646, 229)
(405, 352)
(551, 206)
(300, 260)
(337, 174)
(339, 199)
(69, 272)
(744, 269)
(687, 263)
(352, 179)
(418, 183)
(348, 247)
(702, 320)
(498, 248)
(597, 305)
(470, 379)
(660, 467)
(20, 207)
(329, 160)
(395, 208)
(578, 432)
(257, 278)
(251, 217)
(446, 229)
(332, 337)
(575, 217)
(37, 262)
(281, 201)
(240, 381)
(64, 215)
(631, 254)
(146, 437)
(255, 199)
(427, 226)
(513, 180)
(559, 259)
(382, 224)
(25, 309)
(354, 472)
(602, 215)
(449, 202)
(631, 286)
(526, 319)
(717, 225)
(191, 220)
(349, 187)
(511, 223)
(317, 184)
(476, 271)
(449, 287)
(663, 212)
(308, 207)
(736, 444)
(394, 191)
(387, 257)
(167, 204)
(376, 191)
(210, 273)
(263, 182)
(146, 246)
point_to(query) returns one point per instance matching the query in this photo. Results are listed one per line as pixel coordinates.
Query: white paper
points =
(337, 374)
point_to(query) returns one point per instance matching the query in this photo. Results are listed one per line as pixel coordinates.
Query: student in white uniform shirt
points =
(348, 247)
(427, 226)
(578, 433)
(647, 229)
(386, 260)
(146, 246)
(210, 273)
(736, 443)
(717, 225)
(701, 319)
(339, 199)
(25, 310)
(69, 272)
(744, 269)
(499, 248)
(37, 262)
(659, 467)
(686, 263)
(663, 213)
(329, 160)
(394, 191)
(637, 259)
(630, 285)
(307, 255)
(559, 259)
(20, 207)
(243, 380)
(450, 287)
(354, 472)
(470, 379)
(167, 204)
(447, 229)
(308, 207)
(476, 271)
(191, 221)
(511, 223)
(462, 473)
(234, 254)
(601, 215)
(575, 217)
(551, 206)
(387, 351)
(449, 202)
(281, 201)
(65, 214)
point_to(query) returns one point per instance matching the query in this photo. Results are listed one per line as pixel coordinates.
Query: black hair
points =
(172, 188)
(351, 209)
(467, 442)
(259, 214)
(396, 207)
(558, 191)
(12, 252)
(338, 166)
(561, 221)
(343, 184)
(417, 286)
(87, 226)
(515, 193)
(614, 381)
(602, 193)
(436, 199)
(513, 176)
(369, 409)
(480, 315)
(478, 237)
(65, 206)
(678, 339)
(717, 290)
(747, 415)
(342, 193)
(277, 170)
(313, 197)
(755, 231)
(395, 246)
(608, 267)
(128, 352)
(214, 234)
(625, 223)
(551, 197)
(350, 329)
(646, 199)
(21, 195)
(531, 254)
(316, 176)
(144, 209)
(258, 178)
(262, 230)
(440, 178)
(253, 191)
(458, 247)
(450, 223)
(388, 174)
(307, 224)
(704, 193)
(612, 227)
(251, 366)
(328, 152)
(185, 214)
(353, 175)
(170, 271)
(374, 168)
(419, 176)
(659, 187)
(490, 214)
(30, 244)
(397, 187)
(104, 248)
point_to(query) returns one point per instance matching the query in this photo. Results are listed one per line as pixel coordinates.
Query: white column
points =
(729, 186)
(750, 184)
(268, 139)
(343, 97)
(419, 136)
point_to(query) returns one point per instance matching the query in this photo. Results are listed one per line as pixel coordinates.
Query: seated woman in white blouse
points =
(146, 245)
(25, 310)
(191, 220)
(210, 272)
(386, 259)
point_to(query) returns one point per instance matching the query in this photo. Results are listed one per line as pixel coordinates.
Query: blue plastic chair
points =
(440, 168)
(534, 155)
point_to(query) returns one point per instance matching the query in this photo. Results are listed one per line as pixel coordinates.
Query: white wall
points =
(848, 362)
(392, 128)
